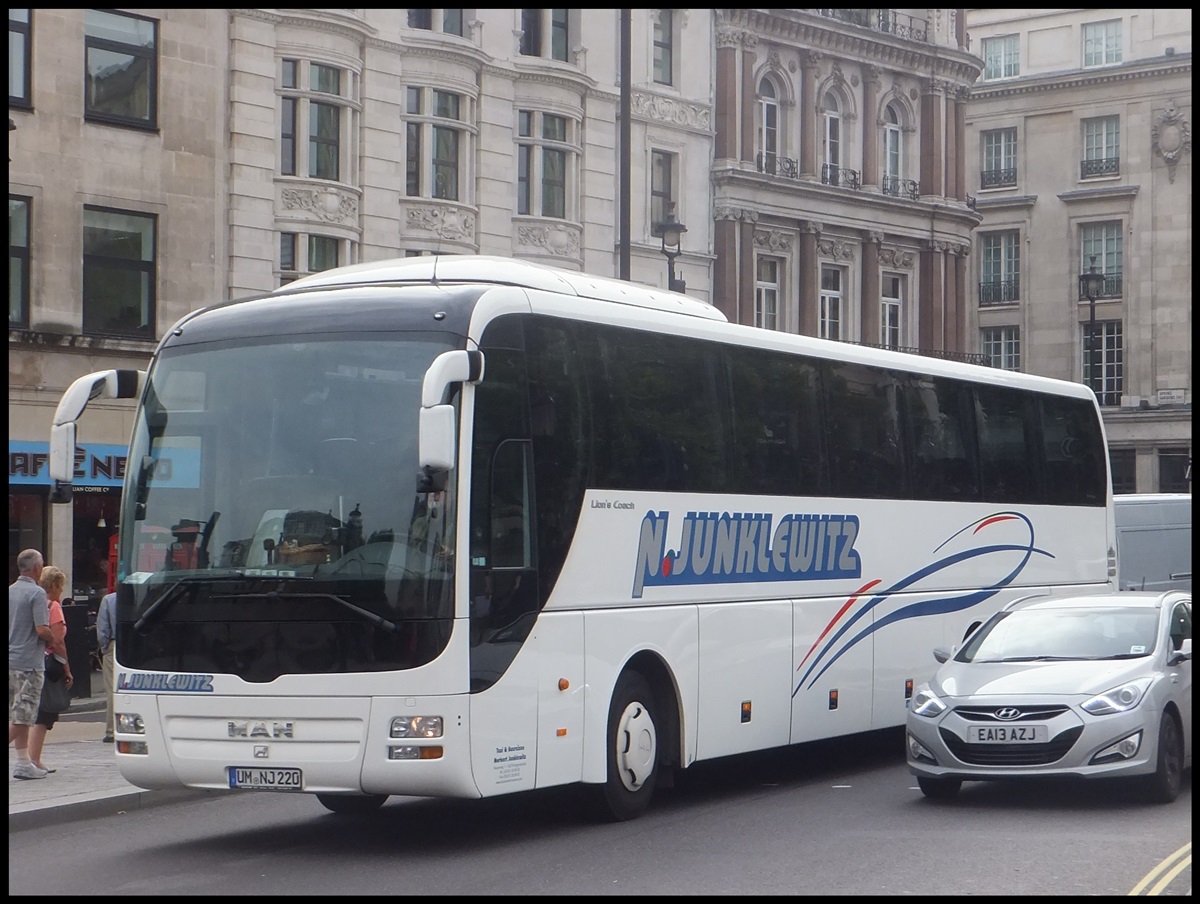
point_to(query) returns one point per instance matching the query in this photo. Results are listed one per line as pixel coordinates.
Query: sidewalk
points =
(87, 783)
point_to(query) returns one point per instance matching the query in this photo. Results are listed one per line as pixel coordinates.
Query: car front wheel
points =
(1163, 786)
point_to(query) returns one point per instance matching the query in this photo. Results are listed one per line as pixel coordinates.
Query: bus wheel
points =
(352, 804)
(632, 750)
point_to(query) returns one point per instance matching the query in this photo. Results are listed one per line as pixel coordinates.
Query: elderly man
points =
(28, 635)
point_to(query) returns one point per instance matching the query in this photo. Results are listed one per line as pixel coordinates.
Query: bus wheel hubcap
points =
(637, 746)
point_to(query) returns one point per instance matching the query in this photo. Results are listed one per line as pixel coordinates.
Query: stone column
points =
(809, 124)
(930, 307)
(872, 76)
(957, 338)
(951, 145)
(808, 279)
(725, 100)
(749, 42)
(960, 141)
(725, 263)
(932, 139)
(871, 297)
(747, 275)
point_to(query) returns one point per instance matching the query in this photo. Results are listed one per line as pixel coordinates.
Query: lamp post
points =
(671, 230)
(1091, 284)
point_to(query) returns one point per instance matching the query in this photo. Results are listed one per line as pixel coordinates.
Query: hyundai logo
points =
(1008, 713)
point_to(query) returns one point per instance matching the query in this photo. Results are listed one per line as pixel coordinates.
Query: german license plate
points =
(1008, 734)
(256, 778)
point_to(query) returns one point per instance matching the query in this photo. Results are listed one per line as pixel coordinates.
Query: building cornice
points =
(1091, 78)
(1100, 193)
(1004, 202)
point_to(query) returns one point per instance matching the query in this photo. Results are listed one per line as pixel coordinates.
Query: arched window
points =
(831, 138)
(893, 159)
(767, 124)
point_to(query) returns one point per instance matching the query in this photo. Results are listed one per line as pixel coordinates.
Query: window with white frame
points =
(449, 20)
(999, 147)
(830, 320)
(1102, 43)
(20, 63)
(831, 137)
(893, 146)
(662, 186)
(891, 311)
(766, 293)
(546, 33)
(1105, 242)
(1001, 57)
(1102, 360)
(120, 68)
(767, 125)
(1101, 146)
(1000, 267)
(435, 142)
(546, 158)
(1002, 346)
(315, 102)
(18, 261)
(301, 253)
(664, 46)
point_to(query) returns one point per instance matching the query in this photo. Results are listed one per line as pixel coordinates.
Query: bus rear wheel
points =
(352, 804)
(632, 742)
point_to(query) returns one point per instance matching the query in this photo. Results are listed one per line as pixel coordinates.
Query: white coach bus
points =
(465, 526)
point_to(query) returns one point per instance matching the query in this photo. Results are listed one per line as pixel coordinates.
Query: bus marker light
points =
(562, 732)
(563, 684)
(833, 695)
(431, 753)
(908, 686)
(745, 710)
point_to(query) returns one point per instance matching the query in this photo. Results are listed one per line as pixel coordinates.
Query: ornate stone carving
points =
(669, 110)
(875, 236)
(812, 227)
(728, 37)
(445, 222)
(773, 240)
(838, 249)
(326, 204)
(559, 240)
(1170, 137)
(898, 258)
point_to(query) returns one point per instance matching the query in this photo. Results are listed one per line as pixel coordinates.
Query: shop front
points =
(92, 513)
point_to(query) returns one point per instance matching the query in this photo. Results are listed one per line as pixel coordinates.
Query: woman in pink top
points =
(54, 582)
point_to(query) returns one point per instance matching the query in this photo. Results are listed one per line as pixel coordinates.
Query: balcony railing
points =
(895, 186)
(774, 165)
(1113, 285)
(998, 178)
(887, 21)
(1005, 291)
(839, 175)
(965, 357)
(1105, 166)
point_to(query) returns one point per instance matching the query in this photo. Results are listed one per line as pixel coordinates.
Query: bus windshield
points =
(272, 520)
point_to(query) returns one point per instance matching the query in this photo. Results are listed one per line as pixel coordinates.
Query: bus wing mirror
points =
(107, 384)
(437, 442)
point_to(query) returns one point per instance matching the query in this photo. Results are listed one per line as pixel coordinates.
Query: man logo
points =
(249, 728)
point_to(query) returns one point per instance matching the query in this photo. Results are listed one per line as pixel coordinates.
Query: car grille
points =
(1028, 713)
(1012, 754)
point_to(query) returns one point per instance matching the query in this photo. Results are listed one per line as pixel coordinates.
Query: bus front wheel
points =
(352, 804)
(632, 742)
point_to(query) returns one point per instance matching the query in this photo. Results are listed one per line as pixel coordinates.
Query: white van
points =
(1154, 541)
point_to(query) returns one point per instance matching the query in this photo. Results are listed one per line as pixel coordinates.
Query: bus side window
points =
(511, 541)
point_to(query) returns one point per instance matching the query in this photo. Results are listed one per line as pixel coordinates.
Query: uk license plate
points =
(257, 778)
(1008, 734)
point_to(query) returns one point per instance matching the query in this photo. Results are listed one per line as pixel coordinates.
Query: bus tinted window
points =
(1073, 452)
(862, 430)
(1005, 420)
(941, 427)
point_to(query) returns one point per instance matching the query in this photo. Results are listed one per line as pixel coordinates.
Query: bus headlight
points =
(417, 727)
(130, 723)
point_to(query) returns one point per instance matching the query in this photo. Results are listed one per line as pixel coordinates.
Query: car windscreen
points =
(1046, 634)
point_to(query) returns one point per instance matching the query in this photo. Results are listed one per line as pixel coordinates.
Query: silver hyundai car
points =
(1095, 686)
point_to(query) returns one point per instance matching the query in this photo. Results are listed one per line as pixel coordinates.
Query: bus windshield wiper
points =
(378, 620)
(168, 597)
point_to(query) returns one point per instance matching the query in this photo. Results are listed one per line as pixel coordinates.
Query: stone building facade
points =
(1079, 147)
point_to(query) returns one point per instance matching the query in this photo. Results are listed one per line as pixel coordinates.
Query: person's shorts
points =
(24, 695)
(46, 719)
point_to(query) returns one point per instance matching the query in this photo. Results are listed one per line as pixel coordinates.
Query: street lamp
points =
(671, 230)
(1091, 284)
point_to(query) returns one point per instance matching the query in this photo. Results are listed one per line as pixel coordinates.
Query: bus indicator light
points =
(833, 695)
(745, 710)
(563, 684)
(908, 688)
(562, 732)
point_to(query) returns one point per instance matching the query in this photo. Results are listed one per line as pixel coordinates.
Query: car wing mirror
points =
(943, 654)
(1182, 655)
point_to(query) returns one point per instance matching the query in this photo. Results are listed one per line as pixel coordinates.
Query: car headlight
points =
(926, 703)
(1119, 699)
